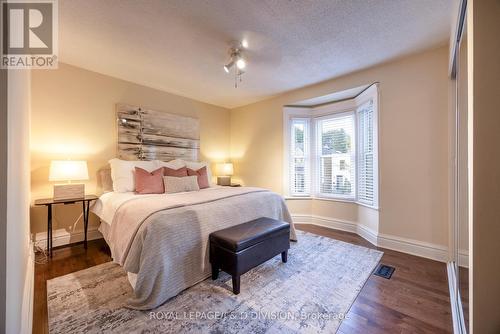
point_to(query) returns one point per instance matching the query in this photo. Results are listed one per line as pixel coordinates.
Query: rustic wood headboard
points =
(155, 135)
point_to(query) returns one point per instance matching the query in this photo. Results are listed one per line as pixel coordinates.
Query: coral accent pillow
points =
(181, 172)
(149, 182)
(194, 165)
(202, 176)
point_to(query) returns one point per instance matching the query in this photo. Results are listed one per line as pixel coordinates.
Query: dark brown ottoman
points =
(239, 248)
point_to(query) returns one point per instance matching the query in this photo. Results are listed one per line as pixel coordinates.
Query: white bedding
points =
(107, 205)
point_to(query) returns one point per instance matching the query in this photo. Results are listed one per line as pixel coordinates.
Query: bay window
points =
(331, 151)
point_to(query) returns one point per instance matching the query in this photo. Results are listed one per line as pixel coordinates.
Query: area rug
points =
(311, 293)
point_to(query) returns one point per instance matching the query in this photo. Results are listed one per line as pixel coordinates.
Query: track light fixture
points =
(236, 58)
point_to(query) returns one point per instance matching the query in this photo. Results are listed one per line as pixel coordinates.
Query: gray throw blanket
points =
(164, 240)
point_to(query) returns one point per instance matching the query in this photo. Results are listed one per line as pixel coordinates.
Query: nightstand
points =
(49, 202)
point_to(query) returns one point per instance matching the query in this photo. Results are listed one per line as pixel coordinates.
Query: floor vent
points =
(384, 271)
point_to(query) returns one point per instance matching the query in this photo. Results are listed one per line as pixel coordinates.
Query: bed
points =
(161, 240)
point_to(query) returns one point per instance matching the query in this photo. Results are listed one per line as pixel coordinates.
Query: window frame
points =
(289, 115)
(325, 111)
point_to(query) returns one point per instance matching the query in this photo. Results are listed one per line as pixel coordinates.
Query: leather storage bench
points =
(239, 248)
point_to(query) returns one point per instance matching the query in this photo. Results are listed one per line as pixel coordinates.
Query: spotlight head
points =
(228, 66)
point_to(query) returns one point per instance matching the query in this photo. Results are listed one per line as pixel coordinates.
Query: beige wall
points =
(300, 207)
(73, 116)
(413, 144)
(20, 264)
(483, 25)
(343, 211)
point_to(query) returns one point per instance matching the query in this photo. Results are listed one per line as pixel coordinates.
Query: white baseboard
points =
(414, 247)
(367, 233)
(337, 224)
(463, 258)
(29, 285)
(63, 237)
(404, 245)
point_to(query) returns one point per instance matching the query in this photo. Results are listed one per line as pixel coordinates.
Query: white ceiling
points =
(179, 46)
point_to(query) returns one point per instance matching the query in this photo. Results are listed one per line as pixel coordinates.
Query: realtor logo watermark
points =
(29, 34)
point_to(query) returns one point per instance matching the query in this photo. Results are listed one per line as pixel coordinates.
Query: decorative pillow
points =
(149, 183)
(202, 176)
(122, 173)
(180, 184)
(197, 165)
(175, 172)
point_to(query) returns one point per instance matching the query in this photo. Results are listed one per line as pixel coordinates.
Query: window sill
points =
(330, 200)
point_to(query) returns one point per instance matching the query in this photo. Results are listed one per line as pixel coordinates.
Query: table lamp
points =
(68, 170)
(224, 172)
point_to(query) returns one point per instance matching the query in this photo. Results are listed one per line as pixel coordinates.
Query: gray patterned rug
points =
(310, 294)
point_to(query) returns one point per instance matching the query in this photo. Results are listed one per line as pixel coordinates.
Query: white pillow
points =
(122, 173)
(173, 164)
(180, 184)
(197, 165)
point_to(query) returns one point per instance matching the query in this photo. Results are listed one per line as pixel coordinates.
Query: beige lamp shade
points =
(225, 169)
(68, 170)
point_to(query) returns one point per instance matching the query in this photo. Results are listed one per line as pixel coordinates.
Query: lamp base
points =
(69, 191)
(224, 180)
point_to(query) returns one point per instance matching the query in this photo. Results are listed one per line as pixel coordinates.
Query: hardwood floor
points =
(414, 300)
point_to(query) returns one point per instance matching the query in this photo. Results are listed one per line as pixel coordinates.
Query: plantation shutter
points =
(335, 156)
(366, 154)
(299, 168)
